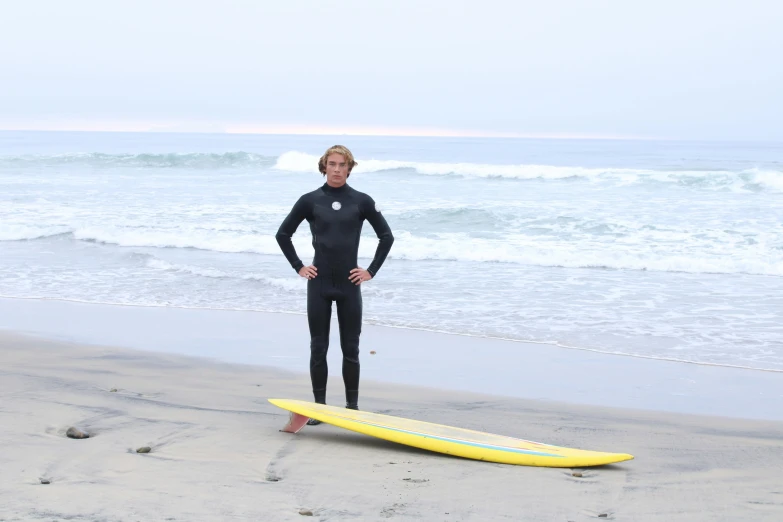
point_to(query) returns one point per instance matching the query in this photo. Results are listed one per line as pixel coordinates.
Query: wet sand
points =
(413, 357)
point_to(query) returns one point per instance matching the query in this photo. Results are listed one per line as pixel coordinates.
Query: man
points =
(335, 212)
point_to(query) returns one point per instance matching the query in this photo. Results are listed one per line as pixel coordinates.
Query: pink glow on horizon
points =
(290, 128)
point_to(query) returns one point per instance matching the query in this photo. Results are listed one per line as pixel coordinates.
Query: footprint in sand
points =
(76, 433)
(390, 511)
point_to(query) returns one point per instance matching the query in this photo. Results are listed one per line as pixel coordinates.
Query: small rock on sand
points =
(45, 481)
(113, 390)
(305, 512)
(75, 433)
(372, 352)
(576, 474)
(603, 515)
(144, 449)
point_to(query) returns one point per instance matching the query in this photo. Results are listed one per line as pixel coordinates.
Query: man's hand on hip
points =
(308, 272)
(359, 276)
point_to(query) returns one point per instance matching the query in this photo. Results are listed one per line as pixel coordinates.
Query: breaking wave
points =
(753, 179)
(749, 179)
(192, 160)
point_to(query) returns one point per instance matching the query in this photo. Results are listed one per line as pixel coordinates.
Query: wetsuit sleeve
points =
(382, 230)
(287, 228)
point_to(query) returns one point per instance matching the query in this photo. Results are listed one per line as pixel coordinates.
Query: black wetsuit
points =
(336, 216)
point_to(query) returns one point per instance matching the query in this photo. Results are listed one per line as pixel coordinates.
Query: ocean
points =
(657, 249)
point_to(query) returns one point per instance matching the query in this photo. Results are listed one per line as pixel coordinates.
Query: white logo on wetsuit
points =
(336, 205)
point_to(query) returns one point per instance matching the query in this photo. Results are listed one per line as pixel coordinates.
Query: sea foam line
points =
(515, 250)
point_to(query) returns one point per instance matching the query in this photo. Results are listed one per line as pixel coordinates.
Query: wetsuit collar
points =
(334, 190)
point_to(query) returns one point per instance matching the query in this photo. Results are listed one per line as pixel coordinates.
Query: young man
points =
(335, 212)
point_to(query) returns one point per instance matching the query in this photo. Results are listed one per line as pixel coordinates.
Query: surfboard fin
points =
(295, 423)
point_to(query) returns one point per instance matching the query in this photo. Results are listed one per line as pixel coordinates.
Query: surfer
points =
(335, 212)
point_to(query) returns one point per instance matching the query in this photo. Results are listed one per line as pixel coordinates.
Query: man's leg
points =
(349, 317)
(319, 314)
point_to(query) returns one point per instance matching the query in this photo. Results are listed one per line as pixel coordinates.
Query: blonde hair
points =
(337, 149)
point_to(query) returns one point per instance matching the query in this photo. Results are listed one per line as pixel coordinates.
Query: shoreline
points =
(216, 452)
(412, 357)
(553, 344)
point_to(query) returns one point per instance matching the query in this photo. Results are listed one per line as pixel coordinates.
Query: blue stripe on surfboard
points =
(466, 443)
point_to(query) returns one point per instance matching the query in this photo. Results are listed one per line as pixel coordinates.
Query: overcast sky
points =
(659, 69)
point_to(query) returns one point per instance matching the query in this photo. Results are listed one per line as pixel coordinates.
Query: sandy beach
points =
(534, 230)
(216, 452)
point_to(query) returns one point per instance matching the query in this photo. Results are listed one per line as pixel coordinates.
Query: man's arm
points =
(287, 229)
(382, 230)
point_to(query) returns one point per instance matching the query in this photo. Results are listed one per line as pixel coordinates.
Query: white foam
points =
(295, 161)
(767, 178)
(229, 242)
(680, 250)
(526, 251)
(20, 232)
(288, 284)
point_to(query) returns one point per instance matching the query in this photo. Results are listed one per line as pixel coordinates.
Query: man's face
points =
(336, 170)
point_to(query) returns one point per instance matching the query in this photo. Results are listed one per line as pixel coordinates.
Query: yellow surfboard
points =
(445, 439)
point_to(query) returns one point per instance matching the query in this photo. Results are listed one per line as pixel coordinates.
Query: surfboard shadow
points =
(375, 444)
(372, 443)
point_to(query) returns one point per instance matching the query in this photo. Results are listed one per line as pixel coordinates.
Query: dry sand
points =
(216, 452)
